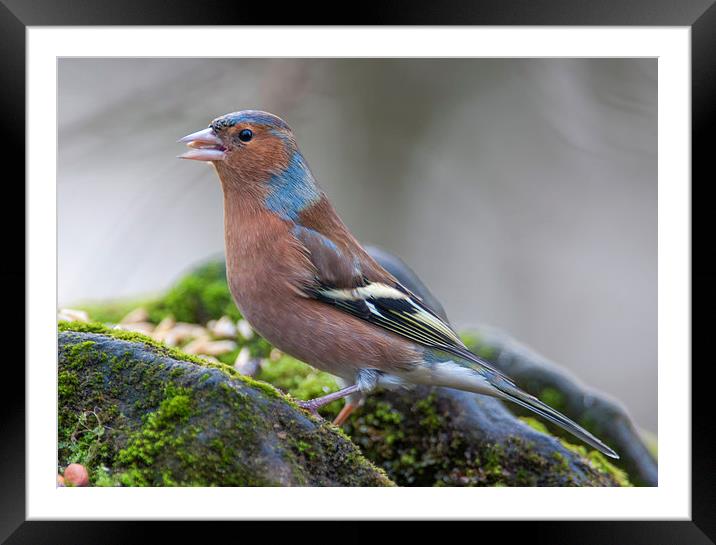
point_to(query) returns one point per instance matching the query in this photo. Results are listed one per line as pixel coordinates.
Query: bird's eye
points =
(246, 135)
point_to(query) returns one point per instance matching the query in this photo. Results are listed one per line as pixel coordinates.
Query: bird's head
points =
(257, 153)
(250, 144)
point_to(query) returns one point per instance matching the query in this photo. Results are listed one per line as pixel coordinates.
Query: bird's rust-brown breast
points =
(266, 266)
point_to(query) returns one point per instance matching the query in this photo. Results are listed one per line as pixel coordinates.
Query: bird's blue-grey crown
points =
(256, 117)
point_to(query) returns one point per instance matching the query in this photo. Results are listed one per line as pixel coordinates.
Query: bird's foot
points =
(310, 406)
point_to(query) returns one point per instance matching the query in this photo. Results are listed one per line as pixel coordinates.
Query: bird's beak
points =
(205, 145)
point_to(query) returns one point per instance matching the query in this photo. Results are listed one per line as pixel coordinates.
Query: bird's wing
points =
(354, 283)
(333, 265)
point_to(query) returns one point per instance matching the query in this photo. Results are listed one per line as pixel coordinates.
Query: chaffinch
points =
(307, 285)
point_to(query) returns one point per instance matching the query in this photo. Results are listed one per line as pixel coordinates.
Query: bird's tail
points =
(513, 393)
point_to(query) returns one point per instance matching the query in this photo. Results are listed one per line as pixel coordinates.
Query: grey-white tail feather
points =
(514, 394)
(474, 375)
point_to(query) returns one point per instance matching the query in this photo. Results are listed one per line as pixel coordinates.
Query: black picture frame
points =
(699, 15)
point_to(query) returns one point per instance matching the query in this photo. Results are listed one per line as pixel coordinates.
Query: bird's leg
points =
(352, 403)
(367, 381)
(346, 411)
(313, 405)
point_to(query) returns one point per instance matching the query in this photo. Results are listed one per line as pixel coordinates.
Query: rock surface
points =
(445, 437)
(136, 413)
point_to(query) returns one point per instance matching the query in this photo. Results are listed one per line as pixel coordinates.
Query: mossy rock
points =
(138, 414)
(391, 427)
(443, 437)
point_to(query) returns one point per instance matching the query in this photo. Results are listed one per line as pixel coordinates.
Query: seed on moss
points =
(76, 475)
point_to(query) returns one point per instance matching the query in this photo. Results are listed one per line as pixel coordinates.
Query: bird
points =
(305, 283)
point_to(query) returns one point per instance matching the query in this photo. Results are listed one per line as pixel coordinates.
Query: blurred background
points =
(522, 191)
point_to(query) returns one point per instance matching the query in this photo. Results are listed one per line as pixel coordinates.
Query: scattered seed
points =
(170, 339)
(217, 348)
(72, 315)
(197, 345)
(275, 354)
(166, 325)
(223, 328)
(245, 329)
(136, 316)
(245, 364)
(184, 331)
(243, 356)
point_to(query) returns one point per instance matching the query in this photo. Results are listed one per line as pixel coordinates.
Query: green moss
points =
(407, 442)
(158, 433)
(492, 459)
(561, 460)
(599, 462)
(306, 448)
(81, 353)
(67, 385)
(82, 327)
(103, 477)
(427, 408)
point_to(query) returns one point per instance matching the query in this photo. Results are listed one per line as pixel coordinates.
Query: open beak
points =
(205, 145)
